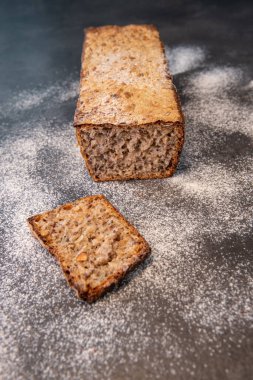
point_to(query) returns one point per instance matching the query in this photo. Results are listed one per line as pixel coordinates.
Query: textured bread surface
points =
(124, 78)
(145, 152)
(125, 83)
(93, 243)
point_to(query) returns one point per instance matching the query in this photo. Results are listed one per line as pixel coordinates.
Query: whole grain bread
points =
(93, 243)
(128, 117)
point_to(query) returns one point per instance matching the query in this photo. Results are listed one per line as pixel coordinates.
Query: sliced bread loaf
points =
(92, 242)
(128, 118)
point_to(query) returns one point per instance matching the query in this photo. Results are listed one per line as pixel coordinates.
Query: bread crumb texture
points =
(93, 243)
(126, 152)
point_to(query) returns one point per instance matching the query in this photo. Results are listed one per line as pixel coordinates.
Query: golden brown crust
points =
(124, 78)
(91, 293)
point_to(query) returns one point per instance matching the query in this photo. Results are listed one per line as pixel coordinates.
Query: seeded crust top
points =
(124, 78)
(93, 243)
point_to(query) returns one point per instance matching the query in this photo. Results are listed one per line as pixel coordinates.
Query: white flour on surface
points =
(26, 100)
(215, 80)
(184, 58)
(213, 102)
(198, 224)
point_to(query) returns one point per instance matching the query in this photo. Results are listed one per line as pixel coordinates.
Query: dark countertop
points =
(186, 313)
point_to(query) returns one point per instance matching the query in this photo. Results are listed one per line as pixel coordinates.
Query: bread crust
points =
(129, 91)
(93, 293)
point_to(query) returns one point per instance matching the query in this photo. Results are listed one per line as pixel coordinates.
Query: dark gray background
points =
(40, 43)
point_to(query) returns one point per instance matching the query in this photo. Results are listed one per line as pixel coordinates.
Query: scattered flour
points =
(184, 58)
(249, 85)
(213, 102)
(198, 224)
(26, 100)
(216, 80)
(70, 92)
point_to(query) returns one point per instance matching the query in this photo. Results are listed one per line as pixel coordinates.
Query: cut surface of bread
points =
(93, 243)
(128, 118)
(144, 152)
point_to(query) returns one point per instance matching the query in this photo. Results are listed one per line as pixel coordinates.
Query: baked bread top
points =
(93, 243)
(124, 78)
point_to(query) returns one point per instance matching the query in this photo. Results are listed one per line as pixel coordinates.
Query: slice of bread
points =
(128, 118)
(93, 243)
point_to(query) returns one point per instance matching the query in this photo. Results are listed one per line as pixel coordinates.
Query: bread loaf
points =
(128, 118)
(94, 245)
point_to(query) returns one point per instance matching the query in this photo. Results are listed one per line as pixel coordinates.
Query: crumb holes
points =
(117, 151)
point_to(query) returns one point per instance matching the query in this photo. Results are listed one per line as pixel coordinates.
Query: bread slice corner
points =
(93, 243)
